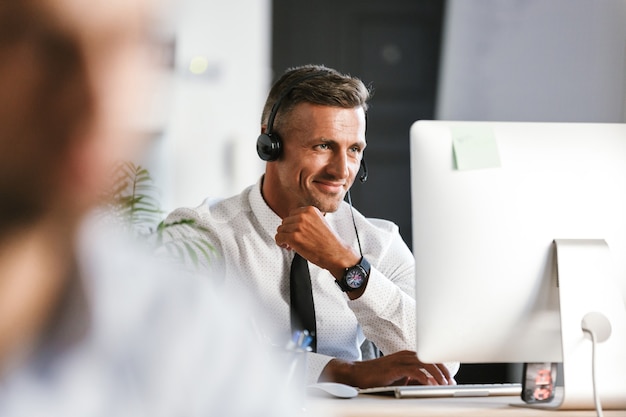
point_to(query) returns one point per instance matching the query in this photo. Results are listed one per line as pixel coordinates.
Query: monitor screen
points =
(489, 199)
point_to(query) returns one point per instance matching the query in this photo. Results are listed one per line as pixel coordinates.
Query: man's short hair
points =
(329, 88)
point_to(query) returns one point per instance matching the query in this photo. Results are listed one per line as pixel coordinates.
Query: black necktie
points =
(302, 308)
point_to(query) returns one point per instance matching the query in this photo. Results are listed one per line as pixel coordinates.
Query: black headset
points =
(269, 144)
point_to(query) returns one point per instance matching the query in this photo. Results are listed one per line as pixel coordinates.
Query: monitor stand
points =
(589, 290)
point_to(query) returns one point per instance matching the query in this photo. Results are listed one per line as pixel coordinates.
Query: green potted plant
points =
(133, 203)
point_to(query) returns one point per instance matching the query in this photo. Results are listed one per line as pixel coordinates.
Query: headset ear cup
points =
(268, 147)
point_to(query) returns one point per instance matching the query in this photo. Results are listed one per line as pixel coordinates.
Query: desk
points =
(381, 406)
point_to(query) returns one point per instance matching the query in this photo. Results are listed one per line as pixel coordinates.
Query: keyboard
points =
(439, 391)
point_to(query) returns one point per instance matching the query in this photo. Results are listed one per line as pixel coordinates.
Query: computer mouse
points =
(332, 389)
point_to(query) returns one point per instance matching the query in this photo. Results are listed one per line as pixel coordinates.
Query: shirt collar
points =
(266, 217)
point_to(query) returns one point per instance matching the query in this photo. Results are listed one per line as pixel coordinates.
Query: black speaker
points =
(268, 144)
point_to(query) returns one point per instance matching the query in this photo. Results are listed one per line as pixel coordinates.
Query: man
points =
(90, 326)
(313, 138)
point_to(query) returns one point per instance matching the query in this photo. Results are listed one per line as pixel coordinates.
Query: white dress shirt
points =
(242, 230)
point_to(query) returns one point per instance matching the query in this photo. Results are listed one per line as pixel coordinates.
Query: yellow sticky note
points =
(475, 147)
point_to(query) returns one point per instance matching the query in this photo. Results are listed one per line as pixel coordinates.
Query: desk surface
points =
(382, 406)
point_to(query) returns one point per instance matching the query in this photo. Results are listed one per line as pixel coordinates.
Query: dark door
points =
(394, 45)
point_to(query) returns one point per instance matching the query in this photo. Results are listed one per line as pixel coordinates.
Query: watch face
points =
(354, 278)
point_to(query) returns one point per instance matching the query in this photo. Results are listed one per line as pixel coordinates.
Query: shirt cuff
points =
(316, 362)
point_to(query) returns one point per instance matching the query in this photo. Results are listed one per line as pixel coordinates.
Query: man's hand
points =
(306, 231)
(400, 368)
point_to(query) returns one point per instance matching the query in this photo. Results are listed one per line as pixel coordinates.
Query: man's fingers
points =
(435, 374)
(446, 373)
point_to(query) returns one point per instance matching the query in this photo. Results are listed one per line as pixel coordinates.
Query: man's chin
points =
(328, 207)
(328, 203)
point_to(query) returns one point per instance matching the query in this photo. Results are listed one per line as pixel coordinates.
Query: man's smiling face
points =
(321, 156)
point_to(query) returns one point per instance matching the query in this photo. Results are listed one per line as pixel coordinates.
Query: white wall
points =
(534, 60)
(212, 119)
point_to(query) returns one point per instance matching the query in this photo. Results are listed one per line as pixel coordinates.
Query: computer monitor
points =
(519, 231)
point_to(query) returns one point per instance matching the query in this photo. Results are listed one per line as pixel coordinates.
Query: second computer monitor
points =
(492, 206)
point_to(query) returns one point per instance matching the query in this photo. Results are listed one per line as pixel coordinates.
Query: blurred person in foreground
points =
(88, 325)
